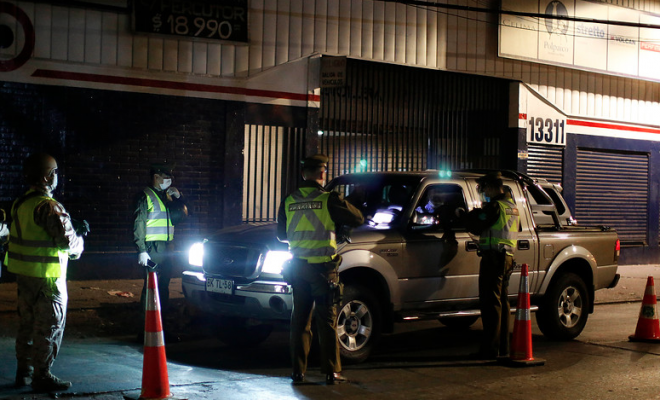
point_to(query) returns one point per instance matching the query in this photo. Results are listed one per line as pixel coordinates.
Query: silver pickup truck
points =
(413, 259)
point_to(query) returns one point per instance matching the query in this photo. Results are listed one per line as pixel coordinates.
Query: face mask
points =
(53, 184)
(166, 183)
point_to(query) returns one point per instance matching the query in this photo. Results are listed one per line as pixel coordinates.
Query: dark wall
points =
(105, 141)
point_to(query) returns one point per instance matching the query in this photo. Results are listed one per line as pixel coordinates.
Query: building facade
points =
(236, 92)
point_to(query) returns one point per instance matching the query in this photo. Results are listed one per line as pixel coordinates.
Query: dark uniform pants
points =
(311, 291)
(42, 315)
(161, 253)
(494, 273)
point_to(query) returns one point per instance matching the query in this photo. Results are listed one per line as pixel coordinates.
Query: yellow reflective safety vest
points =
(503, 234)
(309, 228)
(32, 252)
(159, 225)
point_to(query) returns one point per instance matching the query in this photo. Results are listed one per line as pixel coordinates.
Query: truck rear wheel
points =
(358, 324)
(564, 310)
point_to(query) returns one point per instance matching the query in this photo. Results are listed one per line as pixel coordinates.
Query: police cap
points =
(315, 161)
(161, 169)
(493, 179)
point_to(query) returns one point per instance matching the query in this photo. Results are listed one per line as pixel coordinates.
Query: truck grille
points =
(231, 260)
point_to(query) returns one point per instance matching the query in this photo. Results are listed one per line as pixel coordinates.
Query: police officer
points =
(498, 221)
(42, 239)
(308, 219)
(158, 208)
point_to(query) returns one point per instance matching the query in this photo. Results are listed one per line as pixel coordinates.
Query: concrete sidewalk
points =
(631, 286)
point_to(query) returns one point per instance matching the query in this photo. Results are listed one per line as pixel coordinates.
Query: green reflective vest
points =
(309, 228)
(32, 252)
(503, 234)
(159, 225)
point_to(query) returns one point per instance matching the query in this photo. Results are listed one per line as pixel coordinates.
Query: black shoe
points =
(335, 379)
(298, 378)
(23, 378)
(49, 383)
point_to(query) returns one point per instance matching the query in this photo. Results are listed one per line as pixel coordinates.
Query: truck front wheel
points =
(358, 324)
(564, 310)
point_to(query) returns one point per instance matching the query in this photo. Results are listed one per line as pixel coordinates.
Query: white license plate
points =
(215, 285)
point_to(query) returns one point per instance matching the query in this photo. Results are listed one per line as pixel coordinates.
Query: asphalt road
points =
(420, 361)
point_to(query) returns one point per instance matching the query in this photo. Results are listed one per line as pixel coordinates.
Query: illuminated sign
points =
(203, 19)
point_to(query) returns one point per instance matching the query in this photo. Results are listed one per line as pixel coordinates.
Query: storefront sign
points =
(204, 19)
(600, 46)
(333, 72)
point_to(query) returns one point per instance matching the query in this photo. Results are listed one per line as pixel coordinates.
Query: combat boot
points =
(49, 383)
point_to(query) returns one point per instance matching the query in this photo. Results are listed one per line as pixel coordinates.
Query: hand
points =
(174, 192)
(81, 227)
(143, 258)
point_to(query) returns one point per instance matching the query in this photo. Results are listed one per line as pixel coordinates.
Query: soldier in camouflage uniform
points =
(42, 239)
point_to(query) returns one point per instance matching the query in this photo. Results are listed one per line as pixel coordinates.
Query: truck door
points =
(441, 255)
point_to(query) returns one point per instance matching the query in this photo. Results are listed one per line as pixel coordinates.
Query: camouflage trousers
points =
(42, 315)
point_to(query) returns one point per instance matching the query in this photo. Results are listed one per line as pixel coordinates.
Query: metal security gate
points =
(271, 168)
(546, 162)
(612, 188)
(395, 118)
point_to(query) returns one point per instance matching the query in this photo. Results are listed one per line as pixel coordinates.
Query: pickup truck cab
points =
(413, 259)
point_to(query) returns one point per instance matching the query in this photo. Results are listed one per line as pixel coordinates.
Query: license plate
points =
(215, 285)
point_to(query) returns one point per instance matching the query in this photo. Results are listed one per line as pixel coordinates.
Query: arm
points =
(52, 216)
(140, 224)
(342, 212)
(281, 224)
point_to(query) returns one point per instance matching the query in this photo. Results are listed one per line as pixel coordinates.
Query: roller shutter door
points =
(612, 188)
(545, 162)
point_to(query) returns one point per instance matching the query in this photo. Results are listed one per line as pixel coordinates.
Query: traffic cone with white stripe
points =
(155, 382)
(648, 326)
(521, 343)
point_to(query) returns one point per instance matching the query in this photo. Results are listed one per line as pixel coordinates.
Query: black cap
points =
(163, 168)
(492, 179)
(317, 160)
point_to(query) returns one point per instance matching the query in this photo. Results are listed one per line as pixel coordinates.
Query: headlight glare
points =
(274, 261)
(196, 255)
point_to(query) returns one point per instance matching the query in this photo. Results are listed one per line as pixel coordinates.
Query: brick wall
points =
(104, 142)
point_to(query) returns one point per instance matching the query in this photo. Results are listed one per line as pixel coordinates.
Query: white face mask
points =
(53, 185)
(166, 183)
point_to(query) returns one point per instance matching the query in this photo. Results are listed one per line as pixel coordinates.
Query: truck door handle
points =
(523, 245)
(471, 245)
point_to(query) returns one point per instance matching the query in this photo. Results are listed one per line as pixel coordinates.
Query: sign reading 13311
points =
(203, 19)
(546, 131)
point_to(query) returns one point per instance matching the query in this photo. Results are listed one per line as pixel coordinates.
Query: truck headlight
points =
(196, 254)
(274, 261)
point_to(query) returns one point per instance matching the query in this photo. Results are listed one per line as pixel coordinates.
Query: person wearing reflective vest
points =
(159, 207)
(308, 220)
(500, 222)
(42, 239)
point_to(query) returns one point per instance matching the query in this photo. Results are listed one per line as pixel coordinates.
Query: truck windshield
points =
(373, 193)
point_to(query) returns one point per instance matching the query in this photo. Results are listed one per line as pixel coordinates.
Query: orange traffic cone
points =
(648, 326)
(521, 343)
(155, 382)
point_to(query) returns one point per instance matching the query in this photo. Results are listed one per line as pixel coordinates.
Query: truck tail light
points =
(617, 248)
